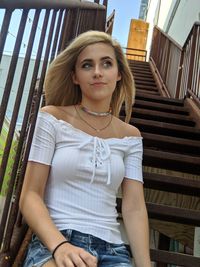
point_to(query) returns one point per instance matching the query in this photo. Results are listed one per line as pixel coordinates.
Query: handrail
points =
(110, 22)
(178, 66)
(48, 4)
(135, 53)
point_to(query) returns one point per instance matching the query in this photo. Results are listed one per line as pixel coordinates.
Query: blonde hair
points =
(60, 89)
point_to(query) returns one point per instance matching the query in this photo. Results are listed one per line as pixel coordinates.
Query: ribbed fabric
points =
(85, 175)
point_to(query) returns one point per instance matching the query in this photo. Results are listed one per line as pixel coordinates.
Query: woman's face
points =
(96, 72)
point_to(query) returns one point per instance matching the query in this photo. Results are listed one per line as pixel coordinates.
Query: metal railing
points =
(135, 54)
(179, 67)
(51, 25)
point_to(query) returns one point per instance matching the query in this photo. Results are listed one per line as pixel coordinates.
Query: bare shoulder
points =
(59, 112)
(127, 129)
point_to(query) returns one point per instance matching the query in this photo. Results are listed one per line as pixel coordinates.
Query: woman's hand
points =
(68, 255)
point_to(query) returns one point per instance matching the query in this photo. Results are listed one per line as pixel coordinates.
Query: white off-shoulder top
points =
(85, 175)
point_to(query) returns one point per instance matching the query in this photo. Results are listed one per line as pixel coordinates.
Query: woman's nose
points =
(97, 71)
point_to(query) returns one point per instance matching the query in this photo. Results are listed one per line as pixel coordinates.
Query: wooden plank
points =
(172, 161)
(164, 128)
(146, 79)
(152, 93)
(173, 214)
(174, 258)
(152, 87)
(173, 184)
(169, 213)
(162, 116)
(172, 144)
(160, 106)
(159, 99)
(148, 82)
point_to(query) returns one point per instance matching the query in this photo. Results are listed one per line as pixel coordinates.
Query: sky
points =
(125, 10)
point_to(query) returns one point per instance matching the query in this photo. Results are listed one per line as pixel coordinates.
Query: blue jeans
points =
(108, 255)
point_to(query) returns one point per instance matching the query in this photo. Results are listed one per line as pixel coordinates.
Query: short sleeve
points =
(43, 143)
(133, 159)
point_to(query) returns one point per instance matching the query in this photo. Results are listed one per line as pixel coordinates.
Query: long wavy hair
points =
(60, 89)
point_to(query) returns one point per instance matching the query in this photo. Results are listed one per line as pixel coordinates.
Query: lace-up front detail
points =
(101, 155)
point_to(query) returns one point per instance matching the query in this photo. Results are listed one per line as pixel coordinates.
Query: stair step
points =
(171, 144)
(173, 214)
(145, 82)
(160, 107)
(140, 65)
(164, 128)
(162, 116)
(146, 79)
(141, 75)
(171, 161)
(150, 93)
(172, 184)
(159, 99)
(141, 71)
(175, 258)
(146, 87)
(169, 213)
(138, 62)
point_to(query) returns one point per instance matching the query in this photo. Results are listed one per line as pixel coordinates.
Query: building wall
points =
(175, 17)
(187, 13)
(4, 68)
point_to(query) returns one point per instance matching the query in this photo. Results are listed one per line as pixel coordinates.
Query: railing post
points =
(4, 30)
(180, 71)
(192, 56)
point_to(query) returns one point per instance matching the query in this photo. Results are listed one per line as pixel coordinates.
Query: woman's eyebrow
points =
(91, 60)
(107, 57)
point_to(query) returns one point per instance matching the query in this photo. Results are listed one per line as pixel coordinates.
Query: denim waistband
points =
(82, 237)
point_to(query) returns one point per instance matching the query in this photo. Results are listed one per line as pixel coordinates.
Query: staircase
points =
(171, 162)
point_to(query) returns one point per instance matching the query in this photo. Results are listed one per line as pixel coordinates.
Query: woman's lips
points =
(98, 84)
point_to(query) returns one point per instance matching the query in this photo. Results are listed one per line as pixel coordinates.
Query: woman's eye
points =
(107, 64)
(86, 65)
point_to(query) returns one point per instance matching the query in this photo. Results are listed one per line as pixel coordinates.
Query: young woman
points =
(81, 154)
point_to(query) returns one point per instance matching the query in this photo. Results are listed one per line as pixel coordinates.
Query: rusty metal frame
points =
(50, 4)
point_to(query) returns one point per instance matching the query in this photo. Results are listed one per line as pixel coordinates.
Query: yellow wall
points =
(137, 38)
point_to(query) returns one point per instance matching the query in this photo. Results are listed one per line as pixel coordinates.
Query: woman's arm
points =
(136, 221)
(37, 216)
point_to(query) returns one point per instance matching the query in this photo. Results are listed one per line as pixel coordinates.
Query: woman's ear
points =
(73, 74)
(119, 77)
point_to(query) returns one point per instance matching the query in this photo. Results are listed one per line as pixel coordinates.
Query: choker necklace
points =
(97, 130)
(94, 113)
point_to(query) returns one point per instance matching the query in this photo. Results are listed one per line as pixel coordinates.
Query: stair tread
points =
(142, 75)
(148, 87)
(141, 79)
(167, 100)
(173, 184)
(171, 139)
(173, 214)
(162, 114)
(150, 93)
(155, 105)
(145, 82)
(173, 156)
(171, 161)
(166, 125)
(175, 258)
(169, 213)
